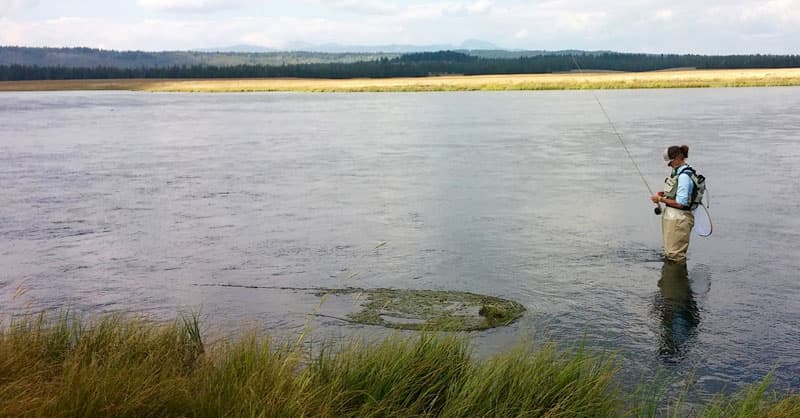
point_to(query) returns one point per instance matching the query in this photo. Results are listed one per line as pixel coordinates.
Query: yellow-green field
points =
(563, 81)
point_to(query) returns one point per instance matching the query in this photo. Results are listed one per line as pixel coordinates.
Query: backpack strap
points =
(688, 170)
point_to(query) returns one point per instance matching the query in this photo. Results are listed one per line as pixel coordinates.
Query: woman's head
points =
(676, 153)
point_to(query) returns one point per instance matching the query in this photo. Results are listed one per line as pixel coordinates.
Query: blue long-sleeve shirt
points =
(685, 186)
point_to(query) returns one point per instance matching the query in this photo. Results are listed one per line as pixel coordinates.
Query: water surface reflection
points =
(676, 308)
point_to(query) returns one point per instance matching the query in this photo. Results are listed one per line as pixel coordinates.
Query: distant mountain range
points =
(470, 44)
(238, 49)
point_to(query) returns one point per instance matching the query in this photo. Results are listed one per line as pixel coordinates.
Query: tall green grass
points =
(123, 367)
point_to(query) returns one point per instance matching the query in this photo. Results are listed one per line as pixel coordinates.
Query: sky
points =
(677, 26)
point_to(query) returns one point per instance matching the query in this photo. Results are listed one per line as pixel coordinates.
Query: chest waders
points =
(676, 224)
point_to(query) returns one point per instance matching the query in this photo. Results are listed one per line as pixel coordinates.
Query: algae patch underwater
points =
(429, 309)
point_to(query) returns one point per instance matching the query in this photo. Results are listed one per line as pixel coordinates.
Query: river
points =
(145, 203)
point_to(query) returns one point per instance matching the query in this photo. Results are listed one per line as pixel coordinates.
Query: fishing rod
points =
(614, 128)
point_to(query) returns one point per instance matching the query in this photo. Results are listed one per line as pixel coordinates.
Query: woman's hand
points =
(656, 198)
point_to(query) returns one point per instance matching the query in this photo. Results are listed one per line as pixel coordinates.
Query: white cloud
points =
(51, 32)
(421, 11)
(784, 13)
(424, 10)
(187, 6)
(557, 18)
(583, 22)
(282, 31)
(8, 7)
(415, 11)
(664, 15)
(161, 34)
(478, 7)
(363, 6)
(715, 26)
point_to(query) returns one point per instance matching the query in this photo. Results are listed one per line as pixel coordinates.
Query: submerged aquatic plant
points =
(432, 310)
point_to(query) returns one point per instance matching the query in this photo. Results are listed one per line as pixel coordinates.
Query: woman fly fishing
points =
(677, 219)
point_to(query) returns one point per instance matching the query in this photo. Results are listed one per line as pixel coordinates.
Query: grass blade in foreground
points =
(122, 367)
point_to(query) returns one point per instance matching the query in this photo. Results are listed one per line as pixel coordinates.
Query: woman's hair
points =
(674, 151)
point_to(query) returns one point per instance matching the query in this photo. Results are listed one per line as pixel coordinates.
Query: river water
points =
(138, 202)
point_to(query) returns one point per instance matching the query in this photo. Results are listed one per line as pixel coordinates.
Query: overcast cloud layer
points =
(679, 26)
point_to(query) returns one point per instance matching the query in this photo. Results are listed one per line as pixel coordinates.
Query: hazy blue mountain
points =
(470, 44)
(479, 45)
(332, 48)
(339, 48)
(238, 48)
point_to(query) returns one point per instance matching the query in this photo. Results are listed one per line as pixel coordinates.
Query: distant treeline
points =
(411, 65)
(91, 57)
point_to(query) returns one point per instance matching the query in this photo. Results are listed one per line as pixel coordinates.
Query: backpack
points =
(699, 189)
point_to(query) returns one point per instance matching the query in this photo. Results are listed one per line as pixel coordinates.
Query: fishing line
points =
(619, 136)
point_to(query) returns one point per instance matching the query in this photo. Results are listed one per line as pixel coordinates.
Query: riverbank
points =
(566, 81)
(121, 367)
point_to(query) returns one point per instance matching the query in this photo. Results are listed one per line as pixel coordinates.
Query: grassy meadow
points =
(122, 367)
(563, 81)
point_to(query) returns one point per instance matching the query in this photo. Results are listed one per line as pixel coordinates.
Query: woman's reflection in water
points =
(676, 308)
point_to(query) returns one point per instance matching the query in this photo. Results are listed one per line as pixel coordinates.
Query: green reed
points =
(115, 366)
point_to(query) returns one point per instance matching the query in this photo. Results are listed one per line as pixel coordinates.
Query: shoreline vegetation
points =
(115, 366)
(587, 80)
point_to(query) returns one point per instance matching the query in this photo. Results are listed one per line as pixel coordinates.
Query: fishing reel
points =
(658, 210)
